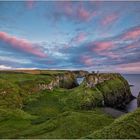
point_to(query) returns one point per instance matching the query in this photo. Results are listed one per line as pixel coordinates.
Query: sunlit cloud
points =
(133, 33)
(22, 44)
(101, 46)
(86, 60)
(128, 68)
(79, 38)
(109, 19)
(3, 67)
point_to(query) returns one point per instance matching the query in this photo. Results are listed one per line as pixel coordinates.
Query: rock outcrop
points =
(114, 88)
(138, 100)
(66, 80)
(80, 73)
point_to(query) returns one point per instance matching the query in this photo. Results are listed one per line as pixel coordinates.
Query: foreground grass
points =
(125, 127)
(26, 112)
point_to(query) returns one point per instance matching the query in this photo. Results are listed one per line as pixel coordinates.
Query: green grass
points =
(125, 127)
(69, 124)
(49, 116)
(46, 114)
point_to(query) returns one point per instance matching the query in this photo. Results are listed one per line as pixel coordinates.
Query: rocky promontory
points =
(113, 87)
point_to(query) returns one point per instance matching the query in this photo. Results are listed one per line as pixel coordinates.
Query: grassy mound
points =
(125, 127)
(69, 124)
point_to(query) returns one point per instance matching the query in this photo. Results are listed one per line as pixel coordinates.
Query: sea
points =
(133, 79)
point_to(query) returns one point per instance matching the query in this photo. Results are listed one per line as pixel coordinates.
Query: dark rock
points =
(66, 80)
(131, 85)
(138, 100)
(80, 73)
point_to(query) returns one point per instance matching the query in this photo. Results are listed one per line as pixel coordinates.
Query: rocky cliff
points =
(138, 100)
(63, 80)
(114, 88)
(80, 73)
(97, 89)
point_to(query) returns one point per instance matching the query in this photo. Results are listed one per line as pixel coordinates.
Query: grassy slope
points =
(127, 126)
(48, 114)
(48, 117)
(69, 124)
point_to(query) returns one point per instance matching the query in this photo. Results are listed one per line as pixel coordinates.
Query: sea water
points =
(133, 79)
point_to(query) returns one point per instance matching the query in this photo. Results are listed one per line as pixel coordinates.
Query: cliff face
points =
(80, 73)
(66, 80)
(138, 100)
(114, 88)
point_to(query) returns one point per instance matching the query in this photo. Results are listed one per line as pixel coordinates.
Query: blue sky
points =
(90, 35)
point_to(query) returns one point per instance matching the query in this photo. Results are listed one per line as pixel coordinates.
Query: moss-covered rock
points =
(67, 80)
(114, 88)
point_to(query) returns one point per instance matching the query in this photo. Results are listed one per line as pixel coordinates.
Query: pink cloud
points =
(102, 46)
(109, 19)
(129, 67)
(110, 55)
(84, 14)
(80, 37)
(30, 4)
(131, 46)
(22, 44)
(75, 10)
(132, 34)
(87, 60)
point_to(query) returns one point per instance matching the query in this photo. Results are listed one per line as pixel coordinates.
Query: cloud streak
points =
(102, 46)
(22, 45)
(86, 60)
(131, 34)
(76, 11)
(79, 38)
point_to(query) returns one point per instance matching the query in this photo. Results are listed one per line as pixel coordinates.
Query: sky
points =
(74, 35)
